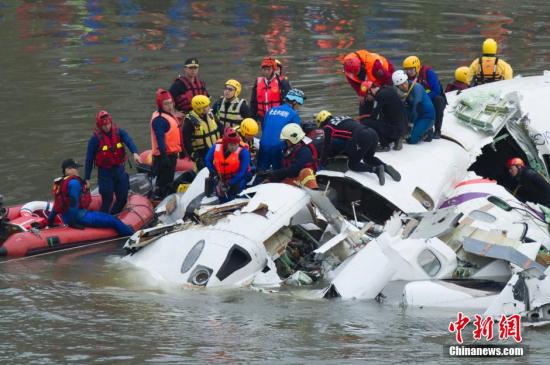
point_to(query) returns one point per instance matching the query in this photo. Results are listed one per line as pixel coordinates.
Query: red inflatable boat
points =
(23, 230)
(182, 164)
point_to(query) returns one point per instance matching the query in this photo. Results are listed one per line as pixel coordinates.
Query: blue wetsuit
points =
(112, 180)
(237, 182)
(77, 216)
(270, 154)
(421, 112)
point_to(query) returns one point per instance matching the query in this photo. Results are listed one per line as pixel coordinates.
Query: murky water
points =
(64, 60)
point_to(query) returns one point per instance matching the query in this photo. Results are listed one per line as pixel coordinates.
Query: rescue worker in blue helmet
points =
(270, 154)
(420, 108)
(106, 151)
(72, 198)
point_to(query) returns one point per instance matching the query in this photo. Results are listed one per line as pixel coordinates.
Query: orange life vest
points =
(267, 95)
(487, 70)
(229, 166)
(367, 60)
(172, 138)
(111, 151)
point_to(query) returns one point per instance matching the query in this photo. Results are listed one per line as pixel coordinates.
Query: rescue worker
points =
(300, 159)
(531, 186)
(362, 66)
(346, 135)
(279, 72)
(489, 67)
(106, 150)
(420, 108)
(188, 85)
(230, 110)
(461, 80)
(166, 143)
(269, 90)
(388, 117)
(229, 165)
(270, 155)
(247, 131)
(427, 77)
(71, 200)
(200, 130)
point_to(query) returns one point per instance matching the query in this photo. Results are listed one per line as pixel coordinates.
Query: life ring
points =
(31, 208)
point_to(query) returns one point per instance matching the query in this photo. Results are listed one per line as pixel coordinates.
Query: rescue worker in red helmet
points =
(362, 66)
(188, 85)
(530, 185)
(107, 152)
(229, 164)
(269, 90)
(166, 143)
(72, 199)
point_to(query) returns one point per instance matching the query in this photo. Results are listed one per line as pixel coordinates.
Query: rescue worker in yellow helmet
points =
(461, 80)
(300, 160)
(200, 130)
(230, 110)
(249, 129)
(489, 67)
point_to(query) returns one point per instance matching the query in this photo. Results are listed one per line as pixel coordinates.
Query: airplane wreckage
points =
(450, 228)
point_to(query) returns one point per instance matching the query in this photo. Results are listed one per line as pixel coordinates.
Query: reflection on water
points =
(63, 60)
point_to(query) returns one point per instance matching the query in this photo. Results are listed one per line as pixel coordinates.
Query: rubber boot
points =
(379, 171)
(395, 175)
(398, 145)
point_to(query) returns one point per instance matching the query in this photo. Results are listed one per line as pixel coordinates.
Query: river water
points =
(62, 61)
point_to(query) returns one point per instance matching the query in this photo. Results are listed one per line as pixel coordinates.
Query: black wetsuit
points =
(532, 187)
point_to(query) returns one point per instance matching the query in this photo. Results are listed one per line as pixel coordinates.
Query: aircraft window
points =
(429, 262)
(192, 257)
(482, 216)
(236, 259)
(200, 275)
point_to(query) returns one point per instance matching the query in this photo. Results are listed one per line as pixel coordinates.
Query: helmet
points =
(322, 116)
(489, 46)
(461, 74)
(515, 161)
(292, 132)
(399, 77)
(269, 62)
(199, 103)
(412, 62)
(278, 64)
(230, 136)
(163, 95)
(352, 66)
(236, 85)
(103, 118)
(296, 95)
(249, 127)
(309, 125)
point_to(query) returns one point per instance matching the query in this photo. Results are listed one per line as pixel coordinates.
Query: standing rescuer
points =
(230, 110)
(489, 67)
(269, 90)
(186, 86)
(530, 185)
(106, 150)
(229, 165)
(166, 142)
(200, 130)
(71, 200)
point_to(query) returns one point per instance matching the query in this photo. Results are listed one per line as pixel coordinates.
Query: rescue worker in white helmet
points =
(300, 159)
(230, 110)
(489, 67)
(200, 130)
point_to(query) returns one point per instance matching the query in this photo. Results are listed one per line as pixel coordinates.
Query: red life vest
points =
(422, 77)
(60, 192)
(111, 151)
(183, 101)
(292, 152)
(229, 166)
(267, 96)
(456, 85)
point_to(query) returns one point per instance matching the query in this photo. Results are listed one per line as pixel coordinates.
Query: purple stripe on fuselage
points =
(462, 198)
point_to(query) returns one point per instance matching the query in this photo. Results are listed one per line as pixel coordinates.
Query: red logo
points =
(508, 327)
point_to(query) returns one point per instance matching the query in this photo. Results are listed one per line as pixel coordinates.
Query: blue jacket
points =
(433, 81)
(274, 122)
(419, 104)
(302, 158)
(93, 146)
(244, 158)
